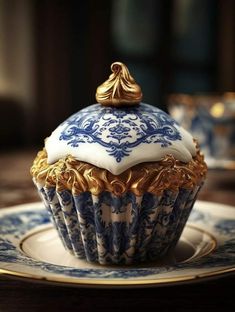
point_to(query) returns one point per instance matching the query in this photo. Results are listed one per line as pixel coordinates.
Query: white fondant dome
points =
(119, 138)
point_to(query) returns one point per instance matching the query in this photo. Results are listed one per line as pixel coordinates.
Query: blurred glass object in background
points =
(211, 120)
(53, 54)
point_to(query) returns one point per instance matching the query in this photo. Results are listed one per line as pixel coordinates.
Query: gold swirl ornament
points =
(150, 177)
(120, 89)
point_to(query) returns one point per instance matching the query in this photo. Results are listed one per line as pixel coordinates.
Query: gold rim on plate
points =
(121, 283)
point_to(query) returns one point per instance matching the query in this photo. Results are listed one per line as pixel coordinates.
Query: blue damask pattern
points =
(223, 256)
(123, 229)
(120, 130)
(14, 225)
(226, 226)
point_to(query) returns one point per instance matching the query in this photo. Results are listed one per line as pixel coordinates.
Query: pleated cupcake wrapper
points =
(119, 230)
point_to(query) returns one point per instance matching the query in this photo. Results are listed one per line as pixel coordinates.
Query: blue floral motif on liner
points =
(9, 252)
(123, 229)
(120, 130)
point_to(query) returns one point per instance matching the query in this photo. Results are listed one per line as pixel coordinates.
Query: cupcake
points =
(120, 177)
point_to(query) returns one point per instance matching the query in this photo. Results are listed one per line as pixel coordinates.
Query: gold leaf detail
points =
(119, 89)
(152, 177)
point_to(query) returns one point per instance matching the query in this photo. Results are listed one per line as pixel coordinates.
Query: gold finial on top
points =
(120, 89)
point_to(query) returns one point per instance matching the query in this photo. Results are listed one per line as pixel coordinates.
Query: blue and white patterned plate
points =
(30, 248)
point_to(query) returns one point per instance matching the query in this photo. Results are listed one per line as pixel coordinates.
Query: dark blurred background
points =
(54, 54)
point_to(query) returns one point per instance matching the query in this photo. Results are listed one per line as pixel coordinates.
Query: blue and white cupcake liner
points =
(125, 229)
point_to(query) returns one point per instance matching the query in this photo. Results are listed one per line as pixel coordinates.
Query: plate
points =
(31, 249)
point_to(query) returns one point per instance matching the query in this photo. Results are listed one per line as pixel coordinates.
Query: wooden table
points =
(16, 295)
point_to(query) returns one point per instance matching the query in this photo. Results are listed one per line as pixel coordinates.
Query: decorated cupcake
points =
(119, 178)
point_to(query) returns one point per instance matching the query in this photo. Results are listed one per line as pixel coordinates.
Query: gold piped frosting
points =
(153, 177)
(120, 89)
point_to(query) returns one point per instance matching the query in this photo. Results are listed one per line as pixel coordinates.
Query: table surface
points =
(16, 295)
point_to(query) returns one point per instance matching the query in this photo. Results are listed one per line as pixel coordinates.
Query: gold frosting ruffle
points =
(153, 177)
(120, 88)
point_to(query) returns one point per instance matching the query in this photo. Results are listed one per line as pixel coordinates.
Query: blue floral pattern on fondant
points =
(120, 130)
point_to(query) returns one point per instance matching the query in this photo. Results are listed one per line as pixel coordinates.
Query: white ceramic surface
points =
(44, 244)
(29, 248)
